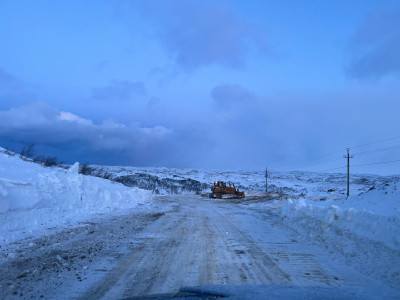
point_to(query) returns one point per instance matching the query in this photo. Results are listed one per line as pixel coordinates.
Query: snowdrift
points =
(363, 229)
(34, 199)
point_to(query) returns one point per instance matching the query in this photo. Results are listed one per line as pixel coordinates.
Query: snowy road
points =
(197, 241)
(198, 244)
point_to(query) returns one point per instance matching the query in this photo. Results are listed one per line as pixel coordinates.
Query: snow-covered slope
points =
(313, 186)
(363, 229)
(34, 199)
(374, 214)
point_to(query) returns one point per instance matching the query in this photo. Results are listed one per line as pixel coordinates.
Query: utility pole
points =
(348, 156)
(266, 180)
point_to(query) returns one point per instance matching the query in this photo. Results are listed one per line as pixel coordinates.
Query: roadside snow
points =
(374, 215)
(363, 229)
(34, 199)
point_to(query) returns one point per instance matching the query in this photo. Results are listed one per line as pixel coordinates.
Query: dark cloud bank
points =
(375, 47)
(197, 34)
(240, 130)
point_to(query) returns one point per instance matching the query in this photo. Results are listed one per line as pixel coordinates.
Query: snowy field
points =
(361, 231)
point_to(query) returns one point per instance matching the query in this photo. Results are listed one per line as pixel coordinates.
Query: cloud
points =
(238, 129)
(40, 124)
(70, 117)
(375, 47)
(13, 91)
(102, 65)
(157, 131)
(231, 94)
(120, 90)
(9, 80)
(120, 100)
(203, 33)
(252, 130)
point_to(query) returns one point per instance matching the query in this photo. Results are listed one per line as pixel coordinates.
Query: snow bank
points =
(34, 199)
(363, 229)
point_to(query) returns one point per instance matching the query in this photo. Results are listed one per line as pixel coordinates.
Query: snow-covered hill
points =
(310, 185)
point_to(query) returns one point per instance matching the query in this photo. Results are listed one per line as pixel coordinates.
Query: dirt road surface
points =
(187, 241)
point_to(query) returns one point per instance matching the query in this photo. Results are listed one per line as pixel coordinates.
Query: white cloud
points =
(40, 123)
(70, 117)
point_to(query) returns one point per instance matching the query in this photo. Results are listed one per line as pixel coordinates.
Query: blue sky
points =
(208, 84)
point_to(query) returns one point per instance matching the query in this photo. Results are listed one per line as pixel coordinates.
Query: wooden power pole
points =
(266, 180)
(348, 156)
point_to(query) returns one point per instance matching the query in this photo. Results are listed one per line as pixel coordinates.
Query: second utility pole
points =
(348, 169)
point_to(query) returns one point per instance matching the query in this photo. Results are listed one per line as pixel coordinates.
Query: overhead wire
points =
(320, 163)
(378, 150)
(316, 162)
(298, 166)
(376, 142)
(377, 163)
(301, 164)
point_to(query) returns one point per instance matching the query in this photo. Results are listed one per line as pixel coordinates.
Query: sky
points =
(287, 85)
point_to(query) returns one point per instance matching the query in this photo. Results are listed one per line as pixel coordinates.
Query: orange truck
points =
(220, 190)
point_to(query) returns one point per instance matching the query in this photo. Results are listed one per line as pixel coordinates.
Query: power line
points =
(378, 150)
(302, 166)
(377, 142)
(357, 146)
(299, 165)
(377, 163)
(325, 155)
(319, 163)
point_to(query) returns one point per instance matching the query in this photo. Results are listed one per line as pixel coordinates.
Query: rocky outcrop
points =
(161, 185)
